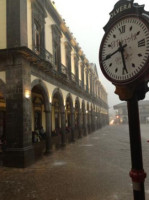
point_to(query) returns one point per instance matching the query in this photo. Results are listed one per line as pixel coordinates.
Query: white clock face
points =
(125, 49)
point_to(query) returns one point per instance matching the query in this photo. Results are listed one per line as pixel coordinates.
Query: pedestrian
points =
(42, 133)
(36, 136)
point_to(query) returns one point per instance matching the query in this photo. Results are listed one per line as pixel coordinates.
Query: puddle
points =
(86, 145)
(59, 163)
(95, 138)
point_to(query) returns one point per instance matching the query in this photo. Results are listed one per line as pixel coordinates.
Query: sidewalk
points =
(96, 167)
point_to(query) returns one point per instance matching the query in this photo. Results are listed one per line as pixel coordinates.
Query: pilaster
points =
(16, 23)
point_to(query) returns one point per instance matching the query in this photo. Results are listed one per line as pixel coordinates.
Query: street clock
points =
(124, 60)
(124, 50)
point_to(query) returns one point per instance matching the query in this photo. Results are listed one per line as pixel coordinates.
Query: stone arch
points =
(40, 105)
(42, 87)
(77, 101)
(41, 110)
(69, 97)
(58, 110)
(60, 95)
(3, 88)
(83, 104)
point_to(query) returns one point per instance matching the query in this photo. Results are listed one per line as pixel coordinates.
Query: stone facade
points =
(122, 114)
(45, 81)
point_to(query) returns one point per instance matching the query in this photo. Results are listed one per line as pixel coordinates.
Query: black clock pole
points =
(137, 172)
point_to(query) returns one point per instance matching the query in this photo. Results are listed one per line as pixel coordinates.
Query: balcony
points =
(80, 83)
(73, 77)
(64, 70)
(43, 54)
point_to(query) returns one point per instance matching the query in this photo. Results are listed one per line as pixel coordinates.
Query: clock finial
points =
(127, 0)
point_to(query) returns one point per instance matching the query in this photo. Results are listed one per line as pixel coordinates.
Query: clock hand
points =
(123, 59)
(111, 54)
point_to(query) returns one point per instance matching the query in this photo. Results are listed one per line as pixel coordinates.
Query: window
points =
(56, 35)
(56, 50)
(76, 67)
(37, 34)
(38, 28)
(68, 57)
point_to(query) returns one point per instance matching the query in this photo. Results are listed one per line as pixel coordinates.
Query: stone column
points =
(85, 123)
(19, 152)
(73, 125)
(80, 124)
(93, 121)
(90, 122)
(63, 127)
(48, 131)
(98, 120)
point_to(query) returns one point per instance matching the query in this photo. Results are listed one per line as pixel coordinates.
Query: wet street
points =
(95, 167)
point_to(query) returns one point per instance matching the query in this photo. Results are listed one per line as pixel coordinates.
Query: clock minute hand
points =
(111, 54)
(123, 59)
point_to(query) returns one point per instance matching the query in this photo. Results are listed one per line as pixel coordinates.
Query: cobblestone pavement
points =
(96, 167)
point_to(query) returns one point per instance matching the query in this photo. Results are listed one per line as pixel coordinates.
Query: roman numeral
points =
(130, 28)
(124, 70)
(141, 43)
(133, 65)
(122, 29)
(139, 54)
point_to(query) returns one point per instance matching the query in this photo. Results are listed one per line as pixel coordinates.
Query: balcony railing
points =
(54, 67)
(64, 69)
(73, 77)
(80, 83)
(43, 54)
(47, 56)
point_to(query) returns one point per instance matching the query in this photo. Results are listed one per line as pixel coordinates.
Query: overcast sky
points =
(86, 19)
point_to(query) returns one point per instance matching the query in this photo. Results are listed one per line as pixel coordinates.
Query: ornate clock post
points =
(124, 60)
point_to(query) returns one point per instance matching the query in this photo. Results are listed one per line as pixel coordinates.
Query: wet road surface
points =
(95, 167)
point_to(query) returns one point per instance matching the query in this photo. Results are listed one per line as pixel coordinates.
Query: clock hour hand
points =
(123, 58)
(111, 54)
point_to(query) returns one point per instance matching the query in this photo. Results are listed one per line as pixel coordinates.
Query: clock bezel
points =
(140, 74)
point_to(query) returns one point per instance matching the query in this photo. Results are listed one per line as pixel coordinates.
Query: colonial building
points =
(122, 114)
(45, 81)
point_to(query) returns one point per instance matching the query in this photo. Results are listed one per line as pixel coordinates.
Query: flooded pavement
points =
(96, 167)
